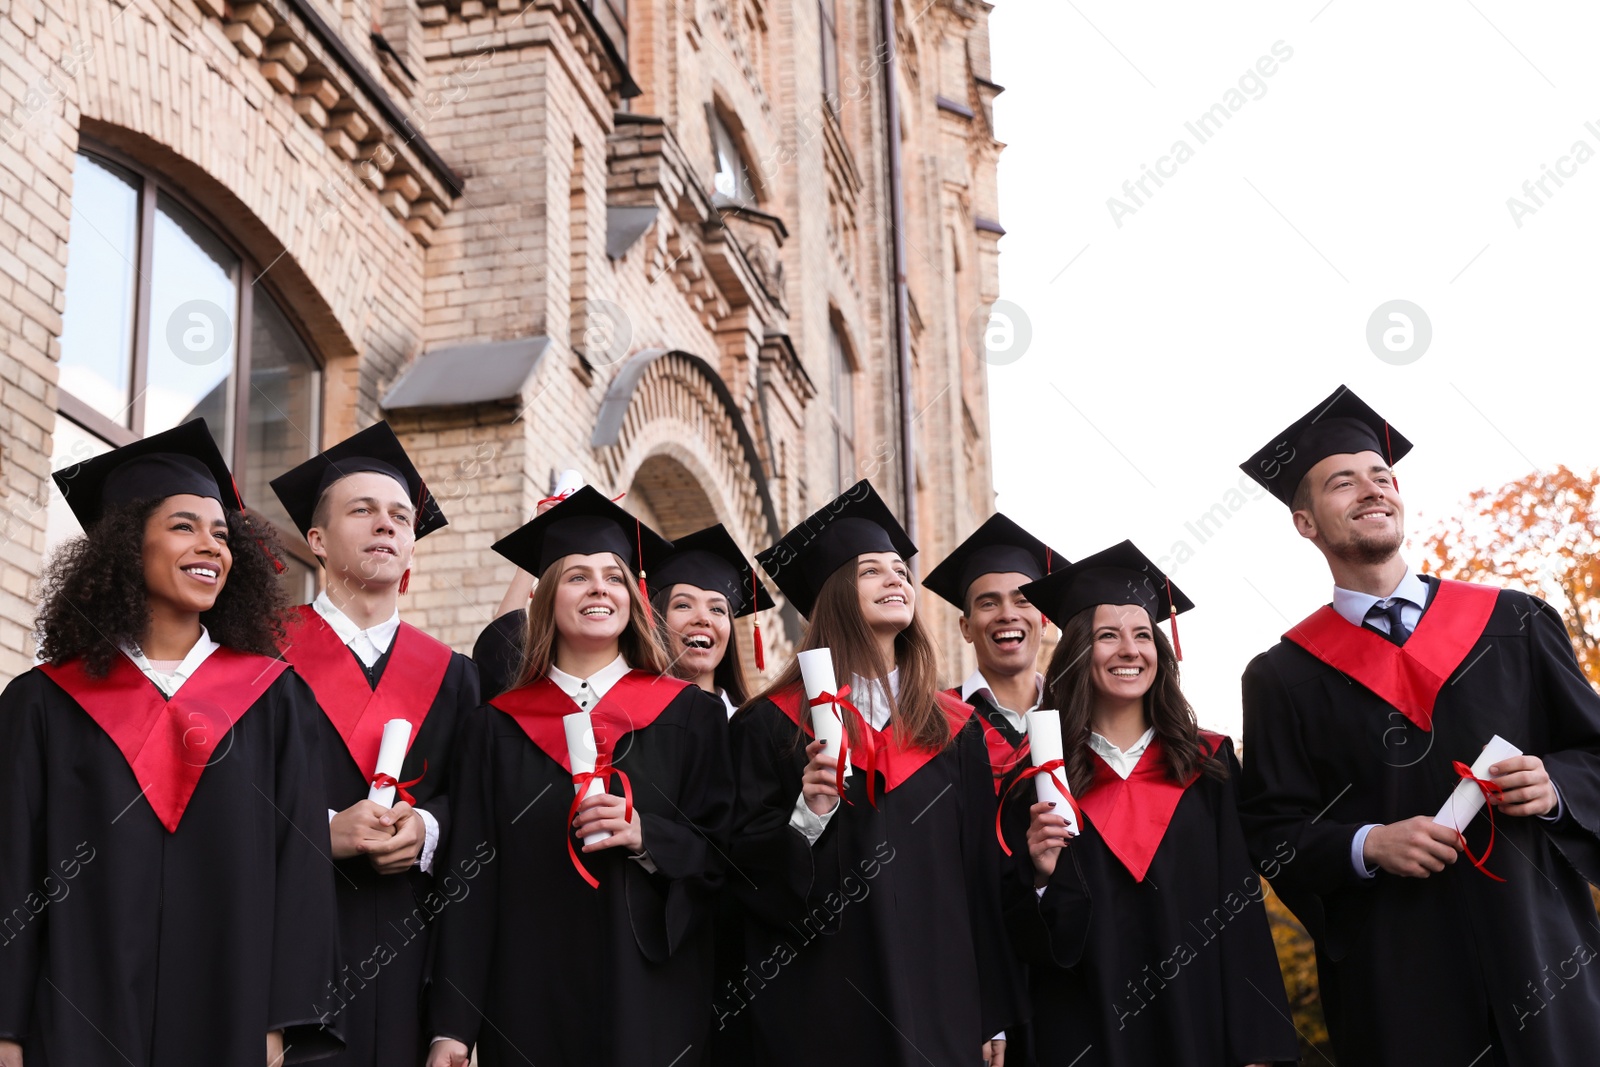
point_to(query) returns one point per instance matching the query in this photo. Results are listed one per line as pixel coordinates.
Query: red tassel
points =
(755, 601)
(644, 590)
(405, 581)
(1177, 646)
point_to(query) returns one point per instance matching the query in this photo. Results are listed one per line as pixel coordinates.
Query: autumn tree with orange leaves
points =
(1537, 534)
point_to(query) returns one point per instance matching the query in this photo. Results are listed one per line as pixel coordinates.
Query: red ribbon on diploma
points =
(838, 700)
(1491, 792)
(580, 781)
(1049, 767)
(384, 781)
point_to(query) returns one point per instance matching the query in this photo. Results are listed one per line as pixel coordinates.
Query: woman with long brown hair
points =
(1146, 935)
(873, 926)
(560, 951)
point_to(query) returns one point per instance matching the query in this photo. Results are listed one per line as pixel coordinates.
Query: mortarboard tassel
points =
(405, 581)
(1177, 647)
(1044, 620)
(755, 615)
(1388, 448)
(644, 591)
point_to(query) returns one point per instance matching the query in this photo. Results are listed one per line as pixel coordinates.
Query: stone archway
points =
(670, 432)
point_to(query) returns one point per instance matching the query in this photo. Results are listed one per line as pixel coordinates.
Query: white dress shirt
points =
(369, 645)
(169, 682)
(1412, 593)
(1123, 761)
(730, 705)
(873, 701)
(978, 684)
(586, 693)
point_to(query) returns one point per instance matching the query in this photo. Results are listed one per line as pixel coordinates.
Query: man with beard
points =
(1433, 946)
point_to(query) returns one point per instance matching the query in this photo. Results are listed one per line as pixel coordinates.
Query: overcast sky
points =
(1369, 153)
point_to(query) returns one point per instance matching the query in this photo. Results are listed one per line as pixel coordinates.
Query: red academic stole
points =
(895, 762)
(168, 743)
(1132, 814)
(1408, 676)
(410, 681)
(633, 702)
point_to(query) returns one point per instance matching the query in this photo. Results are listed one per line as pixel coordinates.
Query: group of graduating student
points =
(599, 848)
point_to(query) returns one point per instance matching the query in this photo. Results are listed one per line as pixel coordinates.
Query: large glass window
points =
(732, 183)
(842, 382)
(166, 321)
(97, 348)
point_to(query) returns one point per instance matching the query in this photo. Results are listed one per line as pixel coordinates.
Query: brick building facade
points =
(649, 239)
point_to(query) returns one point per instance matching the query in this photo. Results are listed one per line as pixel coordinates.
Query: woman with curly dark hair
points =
(1146, 934)
(163, 841)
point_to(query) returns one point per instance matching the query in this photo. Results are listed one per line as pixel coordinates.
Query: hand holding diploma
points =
(819, 782)
(827, 718)
(1053, 820)
(603, 822)
(1044, 744)
(583, 753)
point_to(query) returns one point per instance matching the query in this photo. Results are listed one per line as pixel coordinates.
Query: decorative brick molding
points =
(356, 122)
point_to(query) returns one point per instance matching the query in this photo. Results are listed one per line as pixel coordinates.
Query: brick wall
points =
(242, 108)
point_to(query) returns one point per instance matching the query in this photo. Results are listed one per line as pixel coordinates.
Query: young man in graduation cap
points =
(983, 577)
(163, 864)
(1371, 714)
(362, 507)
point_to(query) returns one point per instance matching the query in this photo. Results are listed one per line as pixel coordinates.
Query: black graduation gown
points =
(883, 943)
(533, 964)
(498, 653)
(1176, 969)
(127, 944)
(1436, 970)
(1008, 752)
(384, 919)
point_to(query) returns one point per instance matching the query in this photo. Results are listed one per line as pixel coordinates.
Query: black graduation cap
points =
(998, 546)
(1342, 423)
(184, 459)
(852, 524)
(375, 449)
(584, 523)
(1120, 574)
(711, 559)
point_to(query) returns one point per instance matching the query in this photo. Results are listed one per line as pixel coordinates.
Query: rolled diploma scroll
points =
(1467, 798)
(391, 757)
(582, 754)
(816, 676)
(569, 482)
(1044, 743)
